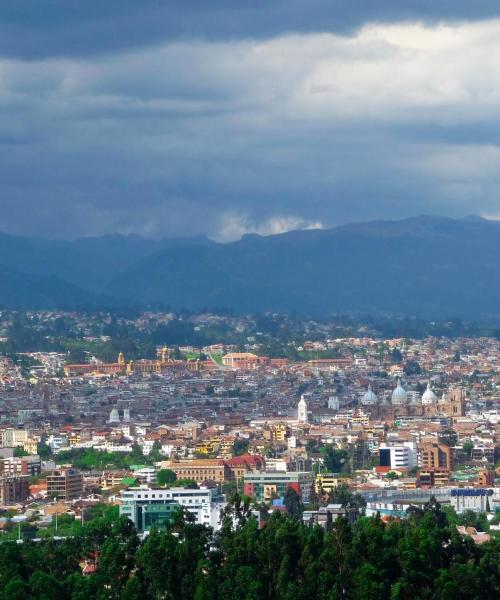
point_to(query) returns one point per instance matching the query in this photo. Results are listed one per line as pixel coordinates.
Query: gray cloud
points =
(193, 129)
(71, 27)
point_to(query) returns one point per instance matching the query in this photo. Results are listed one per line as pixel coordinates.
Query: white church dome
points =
(429, 397)
(369, 397)
(399, 395)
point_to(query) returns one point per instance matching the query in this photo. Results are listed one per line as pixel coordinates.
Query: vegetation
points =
(422, 558)
(88, 458)
(240, 446)
(165, 477)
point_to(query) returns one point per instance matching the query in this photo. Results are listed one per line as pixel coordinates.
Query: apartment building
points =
(65, 483)
(435, 455)
(21, 465)
(13, 490)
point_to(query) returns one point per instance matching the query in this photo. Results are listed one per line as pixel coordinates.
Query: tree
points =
(412, 368)
(165, 477)
(314, 498)
(293, 504)
(333, 458)
(344, 496)
(240, 446)
(396, 356)
(468, 447)
(189, 484)
(448, 437)
(392, 475)
(155, 454)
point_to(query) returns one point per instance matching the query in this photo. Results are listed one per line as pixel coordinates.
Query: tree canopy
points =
(419, 558)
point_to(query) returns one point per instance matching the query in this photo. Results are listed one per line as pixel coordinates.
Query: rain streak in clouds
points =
(263, 131)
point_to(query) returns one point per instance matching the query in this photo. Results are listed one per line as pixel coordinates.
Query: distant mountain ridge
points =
(422, 266)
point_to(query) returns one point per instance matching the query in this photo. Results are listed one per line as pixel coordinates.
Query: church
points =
(451, 404)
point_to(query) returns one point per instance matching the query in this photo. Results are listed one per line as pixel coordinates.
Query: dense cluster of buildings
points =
(405, 417)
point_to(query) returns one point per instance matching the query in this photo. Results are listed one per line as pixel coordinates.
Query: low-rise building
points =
(327, 515)
(327, 482)
(476, 499)
(147, 507)
(202, 470)
(268, 485)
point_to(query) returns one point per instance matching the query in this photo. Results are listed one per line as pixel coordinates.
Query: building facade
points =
(147, 507)
(66, 483)
(268, 485)
(13, 490)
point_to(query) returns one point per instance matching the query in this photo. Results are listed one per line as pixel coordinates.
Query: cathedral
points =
(451, 404)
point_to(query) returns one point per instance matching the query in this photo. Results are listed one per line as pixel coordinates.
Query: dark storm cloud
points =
(173, 118)
(36, 28)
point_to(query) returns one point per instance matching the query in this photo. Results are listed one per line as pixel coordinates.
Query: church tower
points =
(302, 410)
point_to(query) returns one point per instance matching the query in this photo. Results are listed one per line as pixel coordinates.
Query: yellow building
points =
(31, 446)
(280, 432)
(327, 482)
(226, 447)
(207, 446)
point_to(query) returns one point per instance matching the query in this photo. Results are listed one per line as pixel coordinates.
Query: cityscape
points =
(333, 428)
(249, 300)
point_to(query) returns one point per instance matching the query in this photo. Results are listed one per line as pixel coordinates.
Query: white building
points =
(205, 504)
(147, 473)
(302, 410)
(333, 403)
(398, 456)
(114, 416)
(476, 499)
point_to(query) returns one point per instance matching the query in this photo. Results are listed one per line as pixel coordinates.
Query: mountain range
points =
(422, 266)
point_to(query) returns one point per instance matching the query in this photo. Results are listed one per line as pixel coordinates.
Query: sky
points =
(224, 117)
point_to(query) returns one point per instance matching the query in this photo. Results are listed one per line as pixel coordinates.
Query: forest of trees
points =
(422, 557)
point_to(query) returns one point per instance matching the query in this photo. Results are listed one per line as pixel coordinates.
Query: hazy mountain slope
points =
(87, 262)
(23, 291)
(422, 266)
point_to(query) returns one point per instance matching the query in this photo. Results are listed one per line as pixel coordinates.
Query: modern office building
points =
(65, 483)
(398, 456)
(147, 507)
(268, 485)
